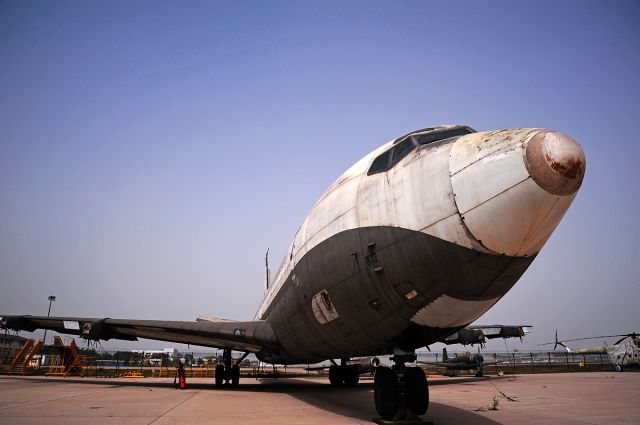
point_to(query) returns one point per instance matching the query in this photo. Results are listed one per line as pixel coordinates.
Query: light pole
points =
(51, 299)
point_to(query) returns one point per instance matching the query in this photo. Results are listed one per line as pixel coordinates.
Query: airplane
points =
(410, 245)
(461, 361)
(621, 355)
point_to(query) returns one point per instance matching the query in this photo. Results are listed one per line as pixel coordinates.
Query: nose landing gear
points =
(401, 393)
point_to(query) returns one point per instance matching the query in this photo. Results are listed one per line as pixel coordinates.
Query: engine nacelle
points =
(512, 332)
(470, 336)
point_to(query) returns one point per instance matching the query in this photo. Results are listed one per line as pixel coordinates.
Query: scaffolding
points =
(67, 361)
(20, 363)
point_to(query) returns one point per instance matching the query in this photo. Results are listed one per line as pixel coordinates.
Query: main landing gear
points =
(226, 373)
(401, 393)
(344, 374)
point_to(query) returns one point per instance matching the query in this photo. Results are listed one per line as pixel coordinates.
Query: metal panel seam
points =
(487, 200)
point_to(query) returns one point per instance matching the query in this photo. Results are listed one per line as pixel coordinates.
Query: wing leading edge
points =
(251, 336)
(478, 334)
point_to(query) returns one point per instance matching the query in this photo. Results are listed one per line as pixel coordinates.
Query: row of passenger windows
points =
(405, 144)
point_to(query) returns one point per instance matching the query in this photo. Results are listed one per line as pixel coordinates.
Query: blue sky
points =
(150, 152)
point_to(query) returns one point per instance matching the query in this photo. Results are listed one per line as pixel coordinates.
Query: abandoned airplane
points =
(408, 247)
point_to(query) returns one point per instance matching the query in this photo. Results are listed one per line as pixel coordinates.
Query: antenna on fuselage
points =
(267, 272)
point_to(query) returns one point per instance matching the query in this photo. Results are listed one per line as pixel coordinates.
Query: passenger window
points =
(380, 164)
(401, 150)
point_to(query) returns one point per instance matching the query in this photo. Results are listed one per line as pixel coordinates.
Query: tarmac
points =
(558, 398)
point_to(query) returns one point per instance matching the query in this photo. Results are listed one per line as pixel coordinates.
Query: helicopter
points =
(624, 353)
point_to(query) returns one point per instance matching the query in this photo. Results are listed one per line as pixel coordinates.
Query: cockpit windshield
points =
(434, 136)
(402, 146)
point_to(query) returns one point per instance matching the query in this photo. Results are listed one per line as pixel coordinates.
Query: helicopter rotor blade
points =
(620, 340)
(597, 337)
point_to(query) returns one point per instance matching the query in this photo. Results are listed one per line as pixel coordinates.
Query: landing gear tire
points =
(335, 375)
(618, 368)
(219, 375)
(417, 390)
(384, 392)
(235, 375)
(351, 375)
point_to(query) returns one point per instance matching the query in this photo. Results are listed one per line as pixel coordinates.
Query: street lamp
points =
(51, 299)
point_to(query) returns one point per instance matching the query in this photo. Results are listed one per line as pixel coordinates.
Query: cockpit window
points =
(401, 150)
(380, 164)
(390, 158)
(423, 139)
(405, 144)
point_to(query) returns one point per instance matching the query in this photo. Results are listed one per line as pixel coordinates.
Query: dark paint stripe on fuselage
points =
(366, 272)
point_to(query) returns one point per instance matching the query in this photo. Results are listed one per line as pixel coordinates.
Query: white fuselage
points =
(626, 354)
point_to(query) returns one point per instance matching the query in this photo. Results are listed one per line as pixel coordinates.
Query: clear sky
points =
(151, 151)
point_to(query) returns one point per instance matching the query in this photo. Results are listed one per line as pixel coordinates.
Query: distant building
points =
(170, 352)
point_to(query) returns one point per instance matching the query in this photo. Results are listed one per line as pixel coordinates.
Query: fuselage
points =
(418, 239)
(626, 354)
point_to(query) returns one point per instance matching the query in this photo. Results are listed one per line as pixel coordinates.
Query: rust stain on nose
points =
(555, 162)
(571, 169)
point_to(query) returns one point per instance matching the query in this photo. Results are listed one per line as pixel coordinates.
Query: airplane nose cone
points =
(555, 162)
(512, 187)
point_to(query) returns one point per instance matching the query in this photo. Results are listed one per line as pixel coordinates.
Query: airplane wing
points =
(316, 368)
(240, 336)
(478, 334)
(447, 364)
(365, 364)
(453, 365)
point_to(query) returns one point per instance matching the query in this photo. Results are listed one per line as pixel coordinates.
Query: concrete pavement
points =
(572, 398)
